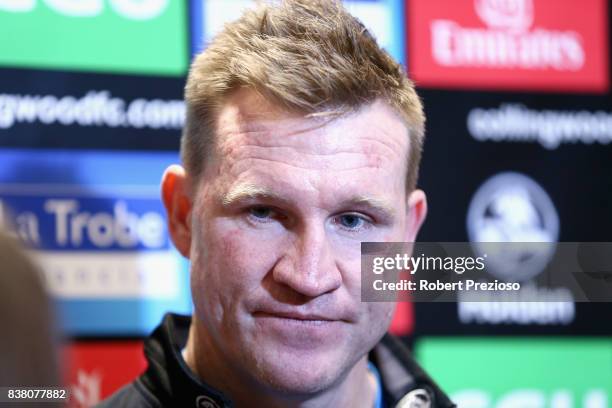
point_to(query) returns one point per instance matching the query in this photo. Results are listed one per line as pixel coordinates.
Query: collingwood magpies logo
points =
(512, 208)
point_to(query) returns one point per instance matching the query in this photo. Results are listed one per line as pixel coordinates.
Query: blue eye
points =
(261, 212)
(352, 222)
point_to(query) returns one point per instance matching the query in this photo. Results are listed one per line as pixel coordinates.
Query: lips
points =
(295, 315)
(296, 328)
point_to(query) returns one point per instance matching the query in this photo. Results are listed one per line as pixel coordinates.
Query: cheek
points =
(227, 262)
(379, 315)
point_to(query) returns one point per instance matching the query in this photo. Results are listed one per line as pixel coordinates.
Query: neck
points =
(357, 388)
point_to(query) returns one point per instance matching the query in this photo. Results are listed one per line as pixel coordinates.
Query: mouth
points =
(300, 330)
(305, 318)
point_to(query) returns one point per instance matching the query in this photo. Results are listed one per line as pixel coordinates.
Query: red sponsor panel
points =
(546, 45)
(96, 369)
(403, 320)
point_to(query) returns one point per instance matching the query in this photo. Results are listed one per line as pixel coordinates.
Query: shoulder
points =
(131, 395)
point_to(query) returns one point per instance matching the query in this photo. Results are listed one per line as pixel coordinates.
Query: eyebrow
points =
(249, 191)
(378, 205)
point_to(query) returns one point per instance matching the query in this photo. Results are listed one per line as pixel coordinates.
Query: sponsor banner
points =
(543, 45)
(520, 372)
(122, 36)
(85, 219)
(67, 110)
(518, 123)
(384, 19)
(515, 187)
(509, 190)
(96, 369)
(96, 224)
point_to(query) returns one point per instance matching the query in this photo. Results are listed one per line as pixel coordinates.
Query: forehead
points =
(258, 140)
(246, 117)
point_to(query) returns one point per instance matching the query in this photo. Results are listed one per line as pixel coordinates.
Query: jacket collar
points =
(405, 383)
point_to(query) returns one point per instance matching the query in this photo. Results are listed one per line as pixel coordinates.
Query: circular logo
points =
(204, 401)
(418, 398)
(514, 221)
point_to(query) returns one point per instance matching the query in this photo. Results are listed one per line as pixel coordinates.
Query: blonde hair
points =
(307, 56)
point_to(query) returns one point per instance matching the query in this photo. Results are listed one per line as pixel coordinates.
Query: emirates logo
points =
(508, 41)
(544, 45)
(510, 15)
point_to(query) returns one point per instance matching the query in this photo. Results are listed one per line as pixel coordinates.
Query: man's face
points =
(276, 224)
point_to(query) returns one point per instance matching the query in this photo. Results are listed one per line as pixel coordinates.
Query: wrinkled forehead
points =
(247, 119)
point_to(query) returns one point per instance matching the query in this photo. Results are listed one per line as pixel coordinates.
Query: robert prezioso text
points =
(437, 285)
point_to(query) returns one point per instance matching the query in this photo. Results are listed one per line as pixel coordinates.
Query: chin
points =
(300, 373)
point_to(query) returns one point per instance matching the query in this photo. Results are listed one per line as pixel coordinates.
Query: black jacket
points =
(168, 382)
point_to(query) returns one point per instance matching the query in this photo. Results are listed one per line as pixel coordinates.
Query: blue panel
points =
(385, 18)
(398, 50)
(196, 24)
(97, 226)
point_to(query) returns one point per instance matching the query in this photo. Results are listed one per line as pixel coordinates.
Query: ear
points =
(177, 200)
(417, 211)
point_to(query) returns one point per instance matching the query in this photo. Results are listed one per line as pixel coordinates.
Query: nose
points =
(309, 266)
